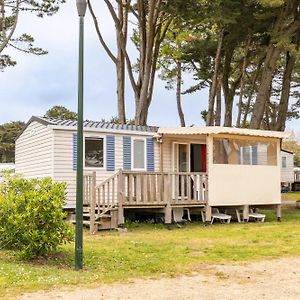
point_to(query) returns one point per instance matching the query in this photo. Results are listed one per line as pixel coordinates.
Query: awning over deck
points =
(222, 130)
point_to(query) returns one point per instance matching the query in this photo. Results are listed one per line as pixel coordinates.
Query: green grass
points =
(152, 250)
(291, 196)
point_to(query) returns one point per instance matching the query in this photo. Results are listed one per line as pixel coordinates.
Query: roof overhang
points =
(214, 130)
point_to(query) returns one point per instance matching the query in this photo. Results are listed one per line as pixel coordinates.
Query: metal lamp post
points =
(81, 8)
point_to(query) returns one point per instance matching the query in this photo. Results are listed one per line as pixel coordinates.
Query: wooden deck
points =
(143, 190)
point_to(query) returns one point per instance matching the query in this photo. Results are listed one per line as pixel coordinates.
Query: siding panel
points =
(34, 155)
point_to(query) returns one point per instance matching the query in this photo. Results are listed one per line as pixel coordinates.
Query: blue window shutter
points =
(110, 153)
(150, 154)
(126, 153)
(74, 151)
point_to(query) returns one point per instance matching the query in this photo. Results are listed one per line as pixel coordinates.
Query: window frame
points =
(132, 153)
(284, 159)
(95, 137)
(250, 155)
(175, 156)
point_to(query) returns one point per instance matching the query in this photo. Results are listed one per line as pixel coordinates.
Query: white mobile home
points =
(48, 147)
(287, 168)
(162, 169)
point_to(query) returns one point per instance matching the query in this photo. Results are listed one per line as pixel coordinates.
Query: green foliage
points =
(9, 19)
(8, 133)
(115, 120)
(31, 217)
(60, 112)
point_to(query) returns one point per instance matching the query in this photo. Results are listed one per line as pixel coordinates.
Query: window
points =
(248, 155)
(94, 156)
(183, 161)
(244, 152)
(283, 162)
(139, 154)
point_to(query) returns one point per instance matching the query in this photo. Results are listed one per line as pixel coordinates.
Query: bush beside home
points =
(31, 216)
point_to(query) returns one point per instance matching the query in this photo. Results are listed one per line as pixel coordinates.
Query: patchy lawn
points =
(291, 196)
(151, 250)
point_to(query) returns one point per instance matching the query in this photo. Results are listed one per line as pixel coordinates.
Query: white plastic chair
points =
(224, 218)
(256, 216)
(178, 213)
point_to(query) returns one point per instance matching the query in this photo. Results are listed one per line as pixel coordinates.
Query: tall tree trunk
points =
(214, 85)
(229, 89)
(266, 81)
(178, 94)
(285, 92)
(240, 105)
(120, 18)
(121, 89)
(228, 109)
(267, 124)
(218, 104)
(253, 85)
(153, 25)
(120, 63)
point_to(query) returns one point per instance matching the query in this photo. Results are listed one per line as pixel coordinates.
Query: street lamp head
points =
(81, 7)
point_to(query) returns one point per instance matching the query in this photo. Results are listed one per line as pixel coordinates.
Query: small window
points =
(138, 154)
(283, 161)
(94, 152)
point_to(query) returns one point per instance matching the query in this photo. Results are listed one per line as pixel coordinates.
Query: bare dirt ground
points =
(272, 279)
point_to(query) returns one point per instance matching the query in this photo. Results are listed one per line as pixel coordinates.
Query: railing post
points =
(168, 208)
(120, 192)
(93, 227)
(206, 189)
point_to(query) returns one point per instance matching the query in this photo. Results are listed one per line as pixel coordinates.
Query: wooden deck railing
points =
(88, 187)
(127, 189)
(146, 188)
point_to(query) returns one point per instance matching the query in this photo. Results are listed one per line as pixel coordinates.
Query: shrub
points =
(31, 216)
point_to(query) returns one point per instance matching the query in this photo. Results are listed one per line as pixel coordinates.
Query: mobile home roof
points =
(222, 130)
(92, 126)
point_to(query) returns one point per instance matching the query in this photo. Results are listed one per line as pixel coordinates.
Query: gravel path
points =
(273, 279)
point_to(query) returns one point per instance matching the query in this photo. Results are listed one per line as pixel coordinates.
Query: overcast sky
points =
(36, 84)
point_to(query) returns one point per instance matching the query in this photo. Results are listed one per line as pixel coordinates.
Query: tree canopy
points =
(10, 11)
(245, 52)
(61, 112)
(8, 134)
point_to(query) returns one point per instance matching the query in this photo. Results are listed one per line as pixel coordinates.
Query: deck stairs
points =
(103, 219)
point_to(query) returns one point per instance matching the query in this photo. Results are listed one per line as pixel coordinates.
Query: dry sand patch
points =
(270, 279)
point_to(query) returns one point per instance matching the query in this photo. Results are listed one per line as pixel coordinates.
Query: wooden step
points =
(86, 222)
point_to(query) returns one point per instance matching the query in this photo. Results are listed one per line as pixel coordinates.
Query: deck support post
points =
(93, 226)
(168, 213)
(168, 208)
(246, 213)
(121, 219)
(278, 212)
(207, 213)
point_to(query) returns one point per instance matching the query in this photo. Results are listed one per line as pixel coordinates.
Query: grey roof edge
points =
(287, 151)
(31, 120)
(89, 124)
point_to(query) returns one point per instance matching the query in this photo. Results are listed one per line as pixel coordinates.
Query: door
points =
(181, 164)
(198, 158)
(188, 158)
